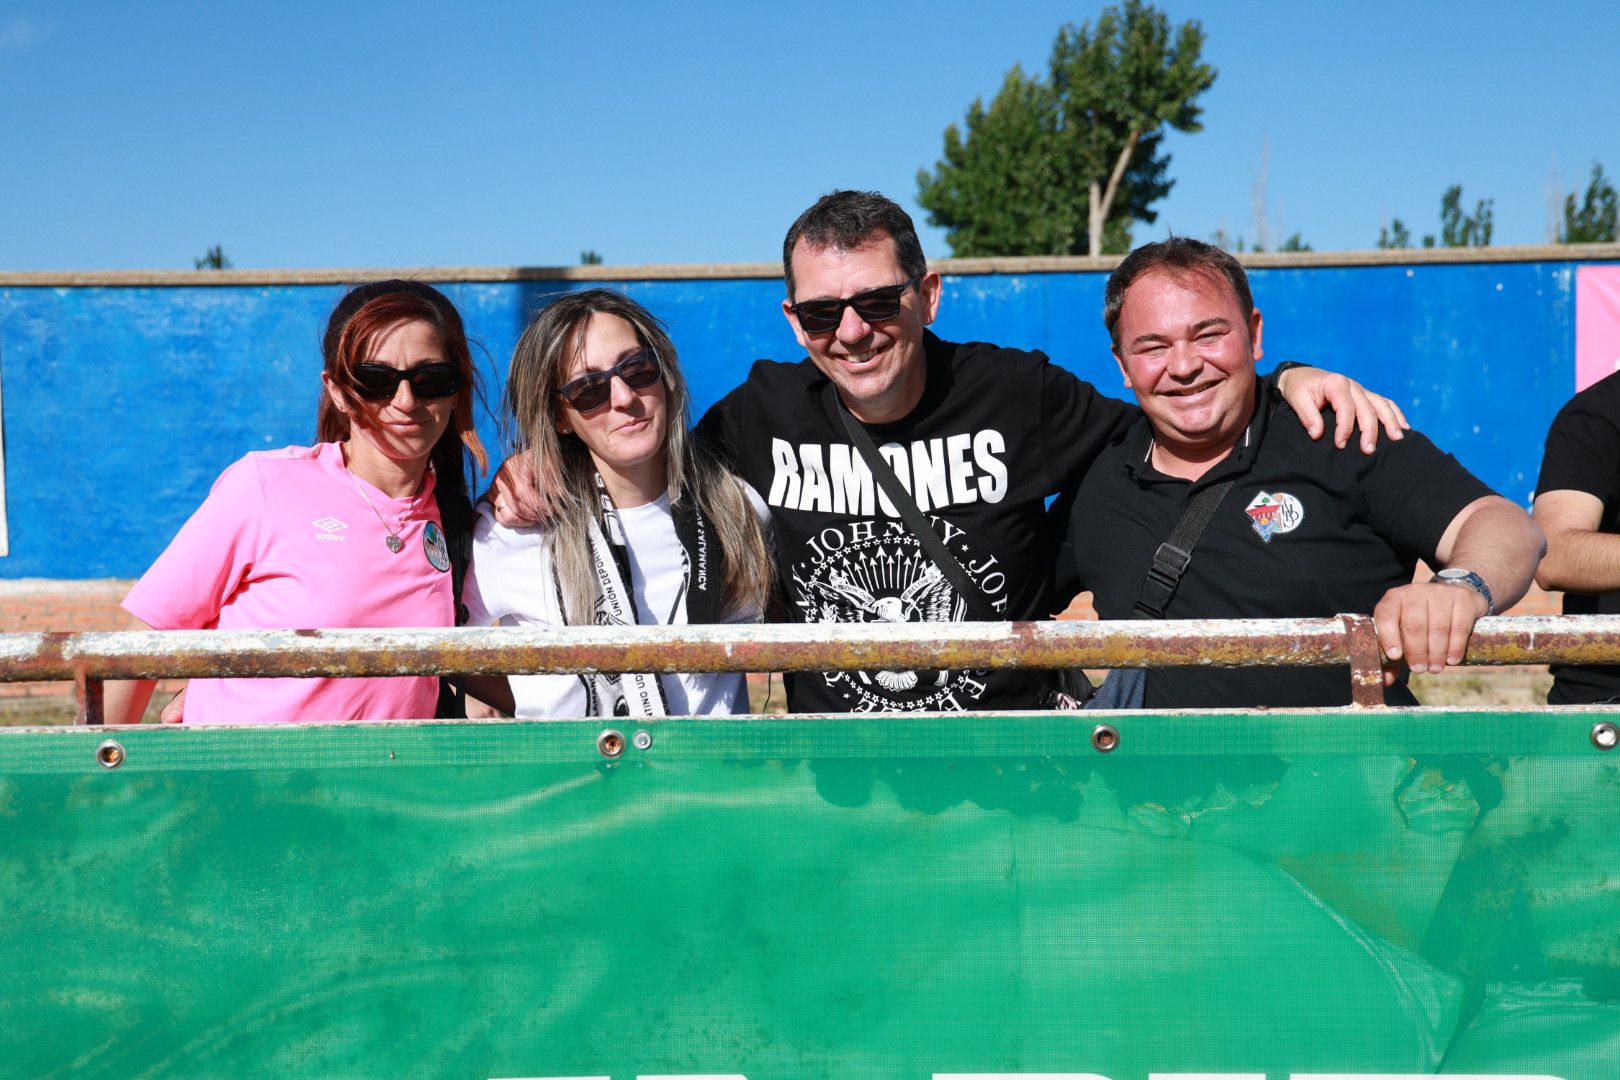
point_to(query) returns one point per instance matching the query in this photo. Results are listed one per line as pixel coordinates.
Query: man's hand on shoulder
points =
(1355, 408)
(513, 496)
(1427, 625)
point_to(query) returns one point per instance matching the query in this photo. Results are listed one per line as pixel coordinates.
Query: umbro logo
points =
(329, 526)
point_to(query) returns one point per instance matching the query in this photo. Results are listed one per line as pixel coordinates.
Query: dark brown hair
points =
(1179, 254)
(364, 315)
(844, 220)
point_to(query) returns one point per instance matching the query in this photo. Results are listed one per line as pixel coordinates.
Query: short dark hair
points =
(844, 220)
(1179, 254)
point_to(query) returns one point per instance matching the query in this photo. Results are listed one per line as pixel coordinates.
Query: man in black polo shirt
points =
(1578, 504)
(1302, 531)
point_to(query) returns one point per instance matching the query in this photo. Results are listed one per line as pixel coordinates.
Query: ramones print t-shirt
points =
(997, 431)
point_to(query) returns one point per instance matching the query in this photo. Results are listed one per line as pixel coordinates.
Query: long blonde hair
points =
(564, 469)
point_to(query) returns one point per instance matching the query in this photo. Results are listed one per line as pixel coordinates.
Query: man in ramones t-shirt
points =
(979, 435)
(1298, 530)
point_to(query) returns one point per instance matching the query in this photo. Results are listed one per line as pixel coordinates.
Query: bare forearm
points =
(1501, 544)
(492, 690)
(124, 702)
(1580, 560)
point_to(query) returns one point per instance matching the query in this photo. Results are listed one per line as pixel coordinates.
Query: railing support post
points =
(90, 692)
(1366, 661)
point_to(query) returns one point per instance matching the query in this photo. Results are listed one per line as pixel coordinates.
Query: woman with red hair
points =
(347, 533)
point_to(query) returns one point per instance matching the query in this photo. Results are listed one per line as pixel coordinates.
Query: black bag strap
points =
(456, 514)
(912, 515)
(456, 517)
(1170, 562)
(936, 550)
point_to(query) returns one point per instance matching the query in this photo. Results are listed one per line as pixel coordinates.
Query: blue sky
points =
(304, 134)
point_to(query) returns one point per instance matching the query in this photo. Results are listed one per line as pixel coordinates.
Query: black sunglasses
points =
(379, 382)
(591, 390)
(873, 305)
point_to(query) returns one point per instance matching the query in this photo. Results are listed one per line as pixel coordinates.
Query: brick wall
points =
(37, 604)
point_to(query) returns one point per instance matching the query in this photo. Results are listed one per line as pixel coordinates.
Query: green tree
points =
(1397, 235)
(590, 257)
(1458, 229)
(213, 259)
(1594, 221)
(1065, 164)
(1296, 243)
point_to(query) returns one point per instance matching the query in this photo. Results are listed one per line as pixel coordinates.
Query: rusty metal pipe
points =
(773, 647)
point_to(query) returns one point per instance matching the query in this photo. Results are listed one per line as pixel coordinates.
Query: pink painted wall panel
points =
(1597, 323)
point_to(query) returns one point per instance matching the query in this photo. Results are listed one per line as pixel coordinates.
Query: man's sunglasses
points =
(873, 305)
(591, 390)
(379, 382)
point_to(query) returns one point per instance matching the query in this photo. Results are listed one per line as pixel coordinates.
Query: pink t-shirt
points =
(284, 541)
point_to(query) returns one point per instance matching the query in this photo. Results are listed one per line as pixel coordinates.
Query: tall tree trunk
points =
(1101, 200)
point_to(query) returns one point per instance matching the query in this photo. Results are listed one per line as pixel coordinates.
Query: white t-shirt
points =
(511, 583)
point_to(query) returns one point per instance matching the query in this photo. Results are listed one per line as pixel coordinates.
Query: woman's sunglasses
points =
(379, 382)
(873, 305)
(591, 390)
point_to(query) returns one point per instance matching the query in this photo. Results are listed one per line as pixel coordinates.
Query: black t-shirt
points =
(1306, 531)
(997, 431)
(1583, 454)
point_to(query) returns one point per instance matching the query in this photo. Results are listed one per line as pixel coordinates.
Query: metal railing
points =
(88, 659)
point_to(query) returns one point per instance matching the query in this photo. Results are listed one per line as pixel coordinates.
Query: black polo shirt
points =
(1306, 531)
(1583, 454)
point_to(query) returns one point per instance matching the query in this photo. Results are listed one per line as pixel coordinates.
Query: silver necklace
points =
(395, 544)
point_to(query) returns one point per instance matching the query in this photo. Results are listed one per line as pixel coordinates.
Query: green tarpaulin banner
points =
(1267, 896)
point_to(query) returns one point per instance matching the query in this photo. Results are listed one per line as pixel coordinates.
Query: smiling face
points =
(1188, 350)
(628, 435)
(403, 429)
(878, 368)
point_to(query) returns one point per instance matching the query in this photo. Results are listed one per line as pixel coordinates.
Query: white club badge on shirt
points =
(438, 552)
(1274, 513)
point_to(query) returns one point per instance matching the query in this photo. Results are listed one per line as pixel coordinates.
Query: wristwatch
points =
(1469, 580)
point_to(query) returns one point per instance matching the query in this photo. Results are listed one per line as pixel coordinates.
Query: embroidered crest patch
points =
(1271, 513)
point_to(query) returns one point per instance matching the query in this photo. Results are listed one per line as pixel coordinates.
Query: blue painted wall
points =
(121, 405)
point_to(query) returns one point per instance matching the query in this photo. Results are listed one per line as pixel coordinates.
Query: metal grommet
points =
(610, 743)
(1104, 737)
(110, 754)
(641, 740)
(1605, 736)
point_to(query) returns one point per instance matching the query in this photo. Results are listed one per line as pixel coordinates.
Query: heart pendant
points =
(395, 544)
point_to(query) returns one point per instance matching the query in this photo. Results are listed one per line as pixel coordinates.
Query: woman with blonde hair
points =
(644, 528)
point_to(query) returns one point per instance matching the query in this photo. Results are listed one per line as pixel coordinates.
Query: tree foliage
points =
(1458, 229)
(590, 257)
(1397, 235)
(1065, 164)
(1593, 220)
(213, 259)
